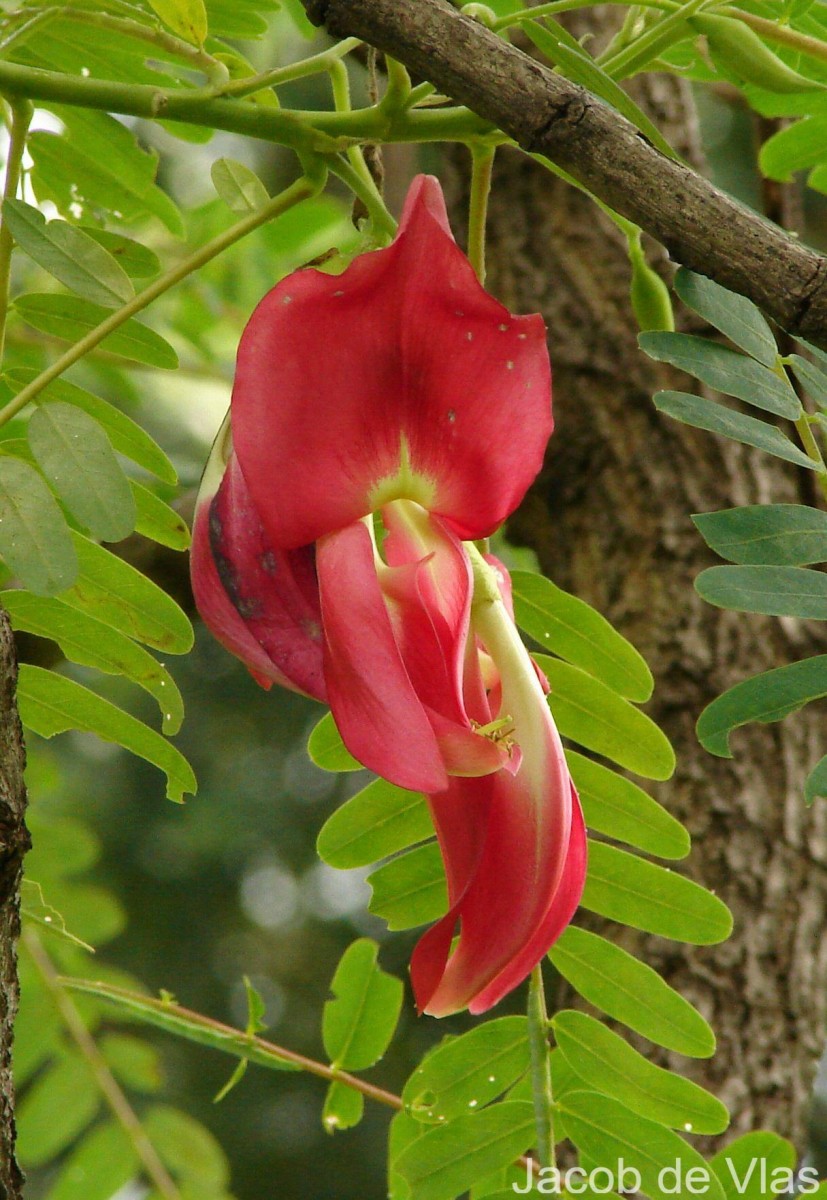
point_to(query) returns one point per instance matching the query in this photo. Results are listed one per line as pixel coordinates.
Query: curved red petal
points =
(261, 604)
(378, 713)
(401, 361)
(560, 912)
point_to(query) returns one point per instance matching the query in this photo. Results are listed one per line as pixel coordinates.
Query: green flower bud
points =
(738, 50)
(651, 302)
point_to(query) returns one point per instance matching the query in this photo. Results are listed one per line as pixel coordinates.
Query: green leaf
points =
(97, 164)
(465, 1073)
(55, 1109)
(768, 697)
(88, 641)
(717, 418)
(631, 992)
(186, 1148)
(187, 18)
(343, 1107)
(357, 1026)
(102, 1164)
(239, 187)
(739, 1166)
(138, 261)
(448, 1159)
(113, 591)
(607, 1063)
(51, 704)
(327, 750)
(76, 456)
(816, 784)
(813, 380)
(774, 591)
(134, 1062)
(725, 370)
(565, 51)
(734, 315)
(156, 520)
(374, 824)
(629, 889)
(410, 890)
(619, 808)
(594, 716)
(181, 1022)
(126, 436)
(74, 258)
(792, 149)
(35, 541)
(572, 629)
(605, 1132)
(71, 319)
(771, 534)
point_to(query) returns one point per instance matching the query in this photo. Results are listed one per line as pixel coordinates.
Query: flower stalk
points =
(540, 1056)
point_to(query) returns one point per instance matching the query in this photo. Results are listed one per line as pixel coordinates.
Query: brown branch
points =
(14, 842)
(701, 227)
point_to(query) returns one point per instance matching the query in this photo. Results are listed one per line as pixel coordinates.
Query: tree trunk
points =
(610, 520)
(14, 842)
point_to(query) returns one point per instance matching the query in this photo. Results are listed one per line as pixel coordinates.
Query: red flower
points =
(401, 388)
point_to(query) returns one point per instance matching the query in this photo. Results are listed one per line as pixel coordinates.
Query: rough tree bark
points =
(14, 842)
(609, 518)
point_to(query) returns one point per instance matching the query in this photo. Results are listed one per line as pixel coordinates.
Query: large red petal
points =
(379, 715)
(340, 378)
(261, 604)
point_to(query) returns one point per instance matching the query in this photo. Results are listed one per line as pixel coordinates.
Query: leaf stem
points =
(174, 1018)
(22, 112)
(541, 1069)
(302, 189)
(813, 449)
(651, 43)
(315, 64)
(368, 192)
(482, 165)
(560, 6)
(108, 1086)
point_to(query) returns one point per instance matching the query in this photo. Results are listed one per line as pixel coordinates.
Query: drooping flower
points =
(381, 421)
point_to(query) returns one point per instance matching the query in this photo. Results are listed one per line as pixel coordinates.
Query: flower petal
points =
(261, 604)
(400, 378)
(379, 715)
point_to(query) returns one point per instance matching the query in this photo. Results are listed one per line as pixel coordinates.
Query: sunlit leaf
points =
(594, 716)
(617, 807)
(113, 591)
(629, 889)
(56, 1107)
(137, 260)
(343, 1107)
(103, 1162)
(359, 1022)
(446, 1160)
(465, 1073)
(572, 629)
(51, 704)
(186, 1148)
(90, 642)
(410, 890)
(374, 824)
(187, 18)
(606, 1131)
(135, 1063)
(156, 520)
(745, 1167)
(813, 380)
(327, 750)
(608, 1064)
(631, 992)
